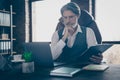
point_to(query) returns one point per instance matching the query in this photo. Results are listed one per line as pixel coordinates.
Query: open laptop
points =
(41, 54)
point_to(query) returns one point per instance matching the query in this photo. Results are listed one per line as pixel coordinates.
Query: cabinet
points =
(6, 32)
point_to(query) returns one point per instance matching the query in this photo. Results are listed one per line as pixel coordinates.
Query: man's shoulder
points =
(88, 29)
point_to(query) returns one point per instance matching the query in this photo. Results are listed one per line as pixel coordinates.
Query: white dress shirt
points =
(57, 44)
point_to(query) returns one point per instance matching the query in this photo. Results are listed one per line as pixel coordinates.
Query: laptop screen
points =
(41, 53)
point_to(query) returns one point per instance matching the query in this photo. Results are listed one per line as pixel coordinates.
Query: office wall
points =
(4, 4)
(19, 21)
(84, 4)
(88, 5)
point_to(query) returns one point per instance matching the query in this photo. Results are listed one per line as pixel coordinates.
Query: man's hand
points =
(71, 30)
(68, 31)
(66, 34)
(96, 58)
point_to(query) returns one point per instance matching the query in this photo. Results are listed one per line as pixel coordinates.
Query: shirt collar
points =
(78, 30)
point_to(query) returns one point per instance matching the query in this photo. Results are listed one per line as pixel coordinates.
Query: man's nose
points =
(68, 20)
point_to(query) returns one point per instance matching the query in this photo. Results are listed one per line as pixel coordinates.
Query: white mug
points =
(17, 57)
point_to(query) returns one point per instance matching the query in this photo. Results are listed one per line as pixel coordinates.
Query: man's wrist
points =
(64, 38)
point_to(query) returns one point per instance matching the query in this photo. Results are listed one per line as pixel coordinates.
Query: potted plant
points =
(28, 65)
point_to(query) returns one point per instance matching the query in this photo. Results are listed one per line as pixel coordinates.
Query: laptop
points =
(41, 54)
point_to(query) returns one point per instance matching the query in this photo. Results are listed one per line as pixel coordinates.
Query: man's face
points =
(69, 18)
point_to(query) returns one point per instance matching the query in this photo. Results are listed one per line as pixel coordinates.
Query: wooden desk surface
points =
(112, 73)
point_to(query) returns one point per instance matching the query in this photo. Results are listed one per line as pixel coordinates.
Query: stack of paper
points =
(96, 67)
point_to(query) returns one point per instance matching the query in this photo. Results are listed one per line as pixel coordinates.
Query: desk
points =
(112, 73)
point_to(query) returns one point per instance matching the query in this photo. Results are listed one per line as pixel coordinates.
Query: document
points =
(96, 67)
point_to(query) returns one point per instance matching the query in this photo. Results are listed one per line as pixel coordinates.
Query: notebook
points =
(65, 71)
(96, 67)
(41, 54)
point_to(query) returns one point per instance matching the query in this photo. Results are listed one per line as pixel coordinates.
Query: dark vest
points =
(79, 46)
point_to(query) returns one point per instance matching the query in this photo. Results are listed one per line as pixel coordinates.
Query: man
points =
(68, 43)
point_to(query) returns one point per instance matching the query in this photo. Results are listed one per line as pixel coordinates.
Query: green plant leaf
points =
(27, 56)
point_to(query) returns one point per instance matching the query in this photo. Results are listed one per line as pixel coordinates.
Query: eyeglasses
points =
(69, 17)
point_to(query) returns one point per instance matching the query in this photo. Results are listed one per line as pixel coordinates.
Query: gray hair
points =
(72, 7)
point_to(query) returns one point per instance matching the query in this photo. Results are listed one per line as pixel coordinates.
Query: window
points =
(45, 16)
(108, 17)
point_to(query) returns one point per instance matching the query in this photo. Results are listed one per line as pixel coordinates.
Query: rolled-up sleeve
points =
(57, 45)
(91, 39)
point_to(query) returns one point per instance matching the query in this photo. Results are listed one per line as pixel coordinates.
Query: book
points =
(65, 71)
(20, 60)
(96, 67)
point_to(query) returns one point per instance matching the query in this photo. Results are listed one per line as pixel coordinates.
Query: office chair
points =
(85, 20)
